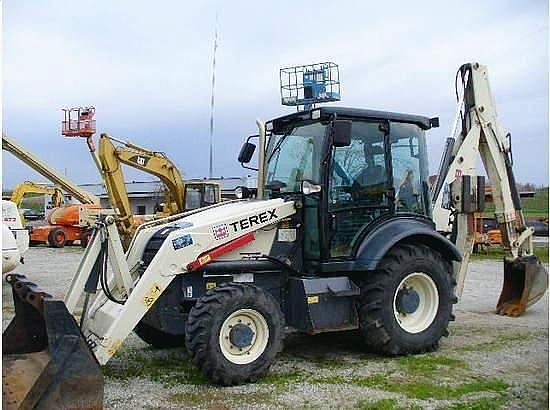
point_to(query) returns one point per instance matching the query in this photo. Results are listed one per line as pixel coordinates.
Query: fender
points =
(379, 239)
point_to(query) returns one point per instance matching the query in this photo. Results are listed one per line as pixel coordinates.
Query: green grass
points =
(502, 341)
(169, 370)
(427, 365)
(419, 387)
(533, 208)
(280, 379)
(485, 403)
(536, 207)
(495, 252)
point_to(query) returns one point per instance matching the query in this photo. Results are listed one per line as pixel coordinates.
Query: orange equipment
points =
(65, 225)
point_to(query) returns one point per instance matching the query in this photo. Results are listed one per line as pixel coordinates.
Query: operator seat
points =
(372, 175)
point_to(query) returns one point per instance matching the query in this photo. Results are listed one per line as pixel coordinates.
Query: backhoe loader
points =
(340, 238)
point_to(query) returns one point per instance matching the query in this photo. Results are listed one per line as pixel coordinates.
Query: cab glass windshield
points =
(293, 157)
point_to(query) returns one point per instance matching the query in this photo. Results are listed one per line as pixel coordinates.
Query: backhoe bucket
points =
(46, 363)
(525, 282)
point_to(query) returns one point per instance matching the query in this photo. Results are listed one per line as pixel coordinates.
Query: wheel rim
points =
(59, 237)
(416, 302)
(244, 336)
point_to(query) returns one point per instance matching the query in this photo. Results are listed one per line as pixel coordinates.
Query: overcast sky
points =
(146, 66)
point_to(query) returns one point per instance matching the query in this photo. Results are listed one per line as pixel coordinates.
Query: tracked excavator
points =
(179, 196)
(112, 153)
(340, 237)
(29, 187)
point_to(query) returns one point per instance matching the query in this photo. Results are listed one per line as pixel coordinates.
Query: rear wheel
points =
(406, 305)
(56, 238)
(234, 332)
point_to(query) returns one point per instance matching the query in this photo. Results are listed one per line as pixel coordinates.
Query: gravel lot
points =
(488, 361)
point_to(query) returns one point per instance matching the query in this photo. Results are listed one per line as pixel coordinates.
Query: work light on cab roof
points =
(307, 85)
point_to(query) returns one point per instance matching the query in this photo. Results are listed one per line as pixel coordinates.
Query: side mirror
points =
(341, 133)
(246, 153)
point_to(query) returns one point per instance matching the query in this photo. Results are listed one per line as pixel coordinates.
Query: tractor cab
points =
(348, 169)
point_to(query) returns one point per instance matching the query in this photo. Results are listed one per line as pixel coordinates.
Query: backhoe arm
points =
(480, 135)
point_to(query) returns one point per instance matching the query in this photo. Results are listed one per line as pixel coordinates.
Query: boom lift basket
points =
(310, 84)
(78, 122)
(46, 363)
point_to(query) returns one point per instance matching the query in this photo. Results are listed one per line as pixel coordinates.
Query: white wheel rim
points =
(255, 321)
(428, 303)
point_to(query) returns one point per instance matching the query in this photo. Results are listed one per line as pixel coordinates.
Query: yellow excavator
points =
(179, 196)
(29, 187)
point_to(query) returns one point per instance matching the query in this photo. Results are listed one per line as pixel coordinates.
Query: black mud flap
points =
(46, 363)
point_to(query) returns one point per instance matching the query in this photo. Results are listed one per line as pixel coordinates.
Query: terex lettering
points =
(249, 222)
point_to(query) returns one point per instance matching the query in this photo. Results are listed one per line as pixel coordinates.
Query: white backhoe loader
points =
(342, 238)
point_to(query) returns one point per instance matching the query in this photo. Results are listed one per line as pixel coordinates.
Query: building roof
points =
(138, 189)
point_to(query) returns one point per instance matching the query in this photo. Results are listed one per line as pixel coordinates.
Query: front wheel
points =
(234, 332)
(406, 305)
(56, 238)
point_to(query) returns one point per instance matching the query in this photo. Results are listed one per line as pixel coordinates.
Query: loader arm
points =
(21, 153)
(128, 293)
(479, 134)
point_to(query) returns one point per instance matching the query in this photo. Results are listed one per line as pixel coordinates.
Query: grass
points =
(484, 403)
(383, 404)
(427, 365)
(495, 252)
(533, 208)
(502, 341)
(419, 387)
(169, 370)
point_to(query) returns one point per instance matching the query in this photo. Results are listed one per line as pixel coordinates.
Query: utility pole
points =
(210, 173)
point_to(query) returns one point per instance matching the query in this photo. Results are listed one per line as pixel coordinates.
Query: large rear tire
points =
(234, 332)
(56, 238)
(406, 305)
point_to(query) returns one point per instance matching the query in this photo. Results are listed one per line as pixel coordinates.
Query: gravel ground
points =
(487, 362)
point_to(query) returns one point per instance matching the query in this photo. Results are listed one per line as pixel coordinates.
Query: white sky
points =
(146, 67)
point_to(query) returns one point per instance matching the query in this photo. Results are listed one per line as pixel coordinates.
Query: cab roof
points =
(358, 113)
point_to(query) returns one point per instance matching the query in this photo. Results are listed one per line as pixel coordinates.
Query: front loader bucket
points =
(525, 282)
(46, 363)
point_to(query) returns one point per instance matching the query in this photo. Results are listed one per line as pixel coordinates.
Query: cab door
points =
(359, 186)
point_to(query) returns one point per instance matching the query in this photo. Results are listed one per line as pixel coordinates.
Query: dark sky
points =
(146, 67)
